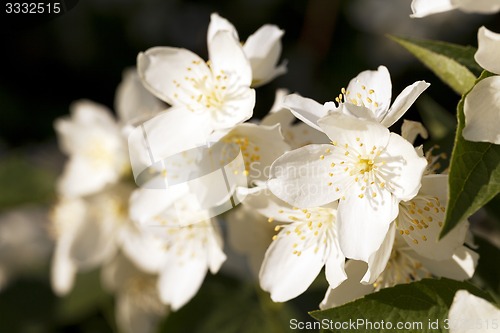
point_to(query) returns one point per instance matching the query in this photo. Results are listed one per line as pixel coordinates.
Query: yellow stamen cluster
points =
(310, 227)
(418, 215)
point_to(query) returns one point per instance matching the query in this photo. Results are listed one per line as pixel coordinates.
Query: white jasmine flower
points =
(307, 240)
(218, 91)
(472, 314)
(96, 148)
(368, 96)
(262, 48)
(138, 306)
(24, 243)
(190, 240)
(421, 8)
(482, 104)
(368, 168)
(397, 263)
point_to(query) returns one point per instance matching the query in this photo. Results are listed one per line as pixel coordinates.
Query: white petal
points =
(411, 129)
(94, 244)
(305, 109)
(216, 256)
(350, 289)
(133, 102)
(63, 269)
(488, 49)
(179, 281)
(403, 102)
(234, 111)
(142, 249)
(460, 267)
(421, 8)
(478, 6)
(263, 49)
(482, 112)
(344, 129)
(163, 71)
(265, 144)
(250, 234)
(218, 23)
(471, 314)
(375, 85)
(404, 166)
(82, 176)
(227, 56)
(302, 134)
(286, 275)
(378, 260)
(74, 131)
(166, 135)
(300, 177)
(334, 267)
(268, 205)
(364, 224)
(145, 204)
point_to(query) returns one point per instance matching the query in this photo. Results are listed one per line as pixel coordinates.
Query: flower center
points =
(365, 165)
(249, 150)
(360, 166)
(312, 228)
(416, 216)
(200, 92)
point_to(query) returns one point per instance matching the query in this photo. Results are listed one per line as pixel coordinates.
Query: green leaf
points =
(451, 63)
(441, 126)
(22, 182)
(474, 177)
(487, 274)
(418, 304)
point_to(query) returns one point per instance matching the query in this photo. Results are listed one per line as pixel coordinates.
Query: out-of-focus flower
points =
(482, 103)
(472, 314)
(24, 243)
(133, 102)
(368, 96)
(218, 91)
(97, 150)
(368, 168)
(421, 8)
(87, 232)
(262, 48)
(138, 306)
(191, 242)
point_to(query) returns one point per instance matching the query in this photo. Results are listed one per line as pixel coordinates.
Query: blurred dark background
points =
(50, 62)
